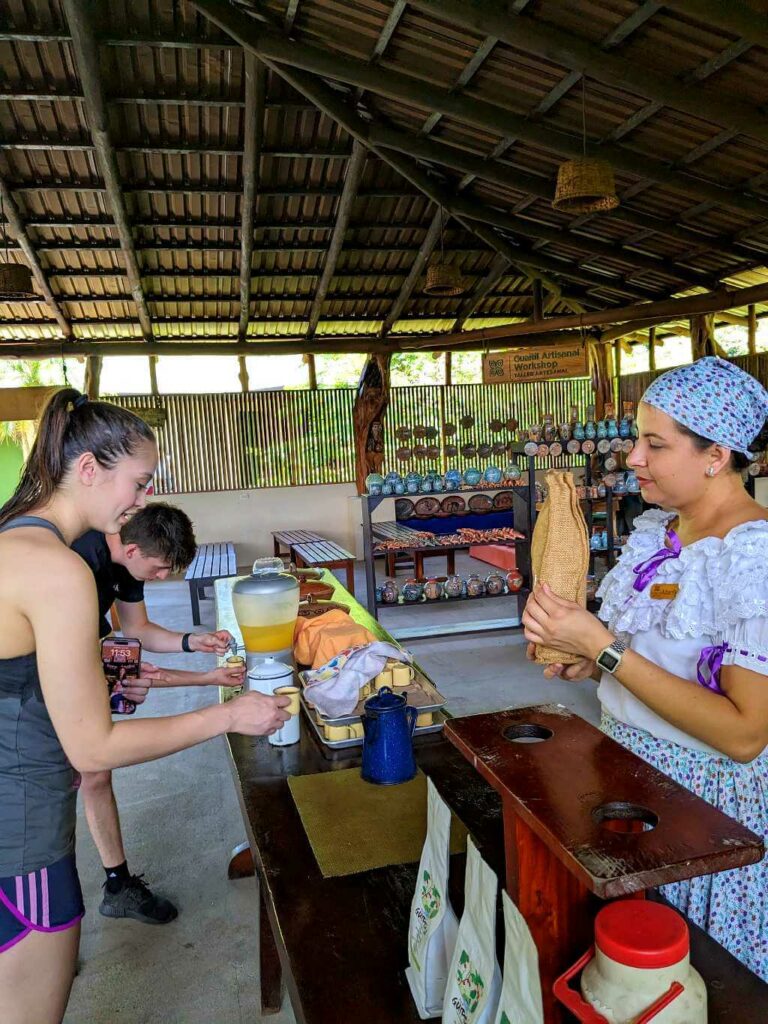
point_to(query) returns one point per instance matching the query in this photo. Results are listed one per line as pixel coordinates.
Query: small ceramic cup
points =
(355, 732)
(292, 692)
(402, 674)
(384, 678)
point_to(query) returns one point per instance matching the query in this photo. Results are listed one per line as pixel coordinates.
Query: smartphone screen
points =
(121, 658)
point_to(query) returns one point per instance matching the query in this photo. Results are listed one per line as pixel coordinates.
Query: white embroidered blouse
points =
(720, 608)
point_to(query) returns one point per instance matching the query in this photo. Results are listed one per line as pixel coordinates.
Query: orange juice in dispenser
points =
(266, 606)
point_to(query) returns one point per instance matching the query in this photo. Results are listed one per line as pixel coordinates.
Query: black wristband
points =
(185, 643)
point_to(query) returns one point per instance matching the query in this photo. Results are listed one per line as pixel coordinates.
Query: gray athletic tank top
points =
(37, 798)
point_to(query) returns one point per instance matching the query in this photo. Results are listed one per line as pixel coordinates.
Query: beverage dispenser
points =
(266, 606)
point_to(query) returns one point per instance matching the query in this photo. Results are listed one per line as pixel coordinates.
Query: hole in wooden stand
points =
(527, 732)
(620, 816)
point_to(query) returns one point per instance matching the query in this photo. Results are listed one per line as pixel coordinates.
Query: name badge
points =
(664, 591)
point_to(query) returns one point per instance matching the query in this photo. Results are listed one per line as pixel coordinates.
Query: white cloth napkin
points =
(334, 689)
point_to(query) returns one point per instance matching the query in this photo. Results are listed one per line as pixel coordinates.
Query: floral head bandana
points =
(713, 398)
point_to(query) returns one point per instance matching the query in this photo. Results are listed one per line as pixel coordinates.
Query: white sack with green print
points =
(474, 978)
(433, 924)
(520, 1001)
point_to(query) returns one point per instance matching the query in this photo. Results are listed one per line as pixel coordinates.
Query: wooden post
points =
(617, 359)
(538, 301)
(600, 368)
(153, 375)
(92, 376)
(368, 418)
(702, 336)
(652, 349)
(752, 330)
(309, 359)
(448, 369)
(243, 374)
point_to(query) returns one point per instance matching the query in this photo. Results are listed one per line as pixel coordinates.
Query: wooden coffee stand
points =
(586, 820)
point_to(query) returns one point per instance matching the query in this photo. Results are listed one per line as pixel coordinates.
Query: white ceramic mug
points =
(291, 730)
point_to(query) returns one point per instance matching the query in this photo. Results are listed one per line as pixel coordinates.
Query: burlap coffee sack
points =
(560, 551)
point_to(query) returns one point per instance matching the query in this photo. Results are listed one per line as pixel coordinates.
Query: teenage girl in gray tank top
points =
(89, 468)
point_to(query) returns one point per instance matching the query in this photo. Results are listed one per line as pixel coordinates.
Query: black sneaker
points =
(137, 900)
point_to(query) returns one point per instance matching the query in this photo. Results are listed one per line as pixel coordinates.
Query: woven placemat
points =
(354, 826)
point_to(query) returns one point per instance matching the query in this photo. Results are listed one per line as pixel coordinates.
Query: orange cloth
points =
(317, 640)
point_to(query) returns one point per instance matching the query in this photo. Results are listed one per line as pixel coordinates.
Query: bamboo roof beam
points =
(417, 269)
(85, 52)
(255, 89)
(348, 195)
(278, 51)
(24, 243)
(486, 17)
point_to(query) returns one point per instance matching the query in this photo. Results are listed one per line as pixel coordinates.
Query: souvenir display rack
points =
(524, 517)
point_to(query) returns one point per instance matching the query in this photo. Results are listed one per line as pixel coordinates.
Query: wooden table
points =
(288, 538)
(325, 554)
(339, 945)
(211, 562)
(411, 545)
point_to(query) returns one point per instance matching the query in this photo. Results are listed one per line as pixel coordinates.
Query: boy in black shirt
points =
(156, 541)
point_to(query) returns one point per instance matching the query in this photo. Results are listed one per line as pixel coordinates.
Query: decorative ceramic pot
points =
(374, 480)
(387, 489)
(494, 583)
(433, 589)
(454, 586)
(513, 471)
(399, 487)
(472, 476)
(389, 592)
(514, 581)
(438, 486)
(475, 586)
(426, 486)
(412, 591)
(492, 475)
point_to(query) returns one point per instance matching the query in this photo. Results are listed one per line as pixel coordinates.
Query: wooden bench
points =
(324, 554)
(211, 562)
(290, 538)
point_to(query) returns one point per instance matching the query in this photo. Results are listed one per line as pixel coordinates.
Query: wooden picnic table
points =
(288, 538)
(325, 554)
(211, 562)
(339, 945)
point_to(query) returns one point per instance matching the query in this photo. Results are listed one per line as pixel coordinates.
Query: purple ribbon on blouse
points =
(645, 571)
(708, 667)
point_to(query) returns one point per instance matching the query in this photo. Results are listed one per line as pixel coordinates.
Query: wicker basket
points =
(16, 281)
(443, 279)
(585, 186)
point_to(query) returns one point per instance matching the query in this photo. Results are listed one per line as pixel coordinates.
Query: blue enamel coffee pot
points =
(388, 724)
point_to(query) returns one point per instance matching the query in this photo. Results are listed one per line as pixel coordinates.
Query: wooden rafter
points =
(278, 51)
(85, 50)
(24, 243)
(499, 268)
(485, 17)
(743, 19)
(417, 269)
(349, 192)
(255, 89)
(390, 25)
(504, 174)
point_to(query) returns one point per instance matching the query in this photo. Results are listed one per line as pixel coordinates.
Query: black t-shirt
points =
(113, 582)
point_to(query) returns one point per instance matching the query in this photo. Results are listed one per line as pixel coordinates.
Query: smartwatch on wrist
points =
(185, 643)
(610, 657)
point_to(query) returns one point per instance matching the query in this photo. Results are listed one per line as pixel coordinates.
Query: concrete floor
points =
(181, 819)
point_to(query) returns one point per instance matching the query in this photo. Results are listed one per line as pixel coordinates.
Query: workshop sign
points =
(520, 365)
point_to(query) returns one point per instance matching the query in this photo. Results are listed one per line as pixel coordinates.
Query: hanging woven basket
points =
(15, 282)
(443, 279)
(585, 186)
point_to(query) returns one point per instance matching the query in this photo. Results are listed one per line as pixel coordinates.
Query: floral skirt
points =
(731, 905)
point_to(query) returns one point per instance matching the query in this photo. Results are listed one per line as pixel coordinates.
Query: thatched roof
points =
(141, 171)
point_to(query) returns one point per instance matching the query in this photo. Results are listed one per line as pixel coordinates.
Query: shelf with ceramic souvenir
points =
(458, 541)
(444, 599)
